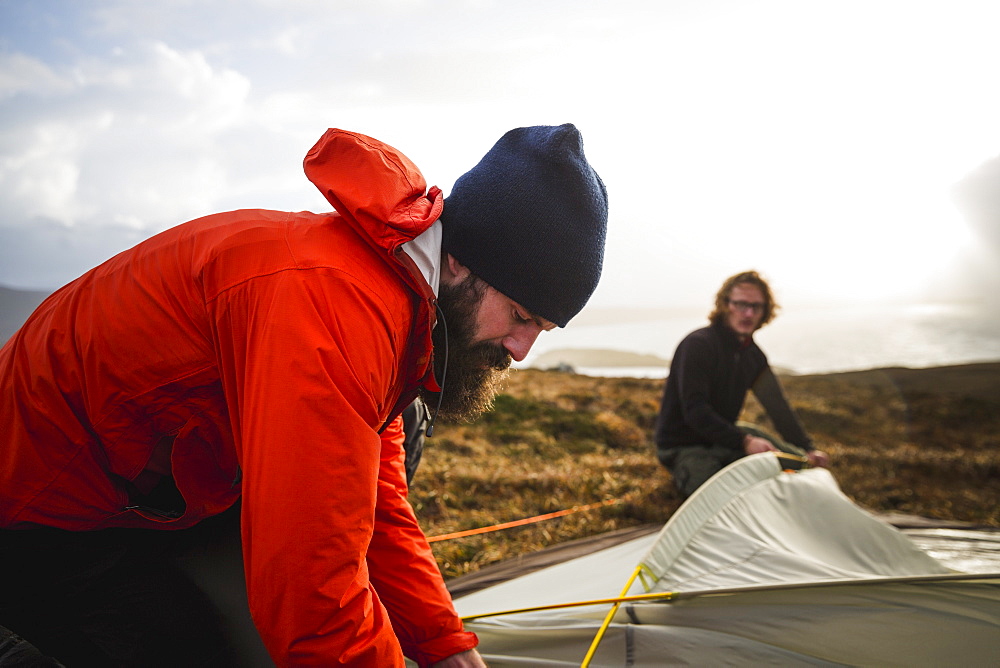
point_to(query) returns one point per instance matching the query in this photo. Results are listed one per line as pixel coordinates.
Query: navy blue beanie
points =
(530, 219)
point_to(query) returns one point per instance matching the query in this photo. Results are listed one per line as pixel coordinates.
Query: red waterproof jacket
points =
(255, 353)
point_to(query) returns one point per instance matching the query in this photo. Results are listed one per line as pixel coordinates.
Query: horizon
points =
(825, 338)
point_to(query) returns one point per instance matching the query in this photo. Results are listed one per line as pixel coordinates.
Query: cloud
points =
(142, 137)
(729, 134)
(142, 115)
(978, 198)
(977, 274)
(20, 73)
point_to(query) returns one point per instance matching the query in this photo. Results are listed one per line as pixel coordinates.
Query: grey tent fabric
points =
(759, 566)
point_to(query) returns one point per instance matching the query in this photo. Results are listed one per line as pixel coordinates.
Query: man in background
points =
(697, 433)
(256, 356)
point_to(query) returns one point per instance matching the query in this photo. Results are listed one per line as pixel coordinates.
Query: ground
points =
(917, 441)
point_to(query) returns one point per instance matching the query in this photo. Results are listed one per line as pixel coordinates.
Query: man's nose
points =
(519, 342)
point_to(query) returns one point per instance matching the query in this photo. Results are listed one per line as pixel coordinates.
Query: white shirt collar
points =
(425, 251)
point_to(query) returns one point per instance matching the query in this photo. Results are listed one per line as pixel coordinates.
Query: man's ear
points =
(453, 271)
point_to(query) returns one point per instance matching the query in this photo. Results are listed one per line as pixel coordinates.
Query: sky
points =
(820, 143)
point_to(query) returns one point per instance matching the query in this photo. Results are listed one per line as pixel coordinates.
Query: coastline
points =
(610, 363)
(821, 339)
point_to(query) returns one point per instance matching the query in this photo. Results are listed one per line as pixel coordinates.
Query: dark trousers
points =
(115, 597)
(16, 652)
(692, 465)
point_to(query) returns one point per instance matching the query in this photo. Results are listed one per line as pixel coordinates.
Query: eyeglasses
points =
(754, 307)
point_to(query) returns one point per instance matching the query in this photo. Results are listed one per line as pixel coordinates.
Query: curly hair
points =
(721, 310)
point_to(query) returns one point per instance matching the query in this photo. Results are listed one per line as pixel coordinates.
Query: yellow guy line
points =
(658, 596)
(607, 620)
(677, 596)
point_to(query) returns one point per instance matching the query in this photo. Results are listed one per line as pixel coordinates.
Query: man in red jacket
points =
(257, 356)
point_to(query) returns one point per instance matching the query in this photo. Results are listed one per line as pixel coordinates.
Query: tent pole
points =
(608, 618)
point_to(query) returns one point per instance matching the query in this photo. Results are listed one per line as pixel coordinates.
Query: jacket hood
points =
(374, 185)
(382, 194)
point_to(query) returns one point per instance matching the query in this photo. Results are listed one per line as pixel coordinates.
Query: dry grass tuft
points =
(923, 442)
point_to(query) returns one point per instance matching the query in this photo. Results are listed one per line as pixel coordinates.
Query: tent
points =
(759, 566)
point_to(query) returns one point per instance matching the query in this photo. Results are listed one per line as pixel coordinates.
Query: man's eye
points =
(520, 317)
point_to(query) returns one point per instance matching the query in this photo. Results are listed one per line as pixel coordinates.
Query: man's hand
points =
(753, 445)
(467, 659)
(818, 458)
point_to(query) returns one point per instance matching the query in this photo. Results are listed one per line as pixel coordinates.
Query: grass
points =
(923, 442)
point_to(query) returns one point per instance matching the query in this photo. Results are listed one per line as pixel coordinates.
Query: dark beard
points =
(475, 371)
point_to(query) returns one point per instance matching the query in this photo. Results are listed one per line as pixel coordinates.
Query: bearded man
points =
(258, 356)
(697, 433)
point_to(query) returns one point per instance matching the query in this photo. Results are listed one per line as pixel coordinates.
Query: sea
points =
(813, 340)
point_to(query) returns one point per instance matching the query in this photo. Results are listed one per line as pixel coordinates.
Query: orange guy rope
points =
(521, 522)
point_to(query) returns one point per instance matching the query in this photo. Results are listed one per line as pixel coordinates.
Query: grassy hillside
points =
(924, 442)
